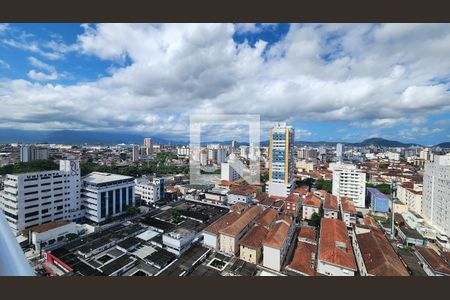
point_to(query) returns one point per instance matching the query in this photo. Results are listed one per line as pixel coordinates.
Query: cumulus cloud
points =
(371, 75)
(49, 74)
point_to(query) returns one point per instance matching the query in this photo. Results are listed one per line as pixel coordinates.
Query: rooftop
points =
(222, 223)
(312, 200)
(255, 237)
(334, 244)
(303, 260)
(307, 232)
(330, 202)
(267, 217)
(244, 219)
(436, 262)
(379, 257)
(46, 227)
(278, 233)
(99, 178)
(347, 205)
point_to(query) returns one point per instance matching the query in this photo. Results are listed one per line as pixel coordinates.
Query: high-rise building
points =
(29, 153)
(349, 181)
(339, 150)
(106, 195)
(233, 145)
(426, 154)
(221, 155)
(203, 157)
(148, 146)
(229, 173)
(36, 198)
(244, 151)
(436, 193)
(307, 154)
(136, 152)
(281, 164)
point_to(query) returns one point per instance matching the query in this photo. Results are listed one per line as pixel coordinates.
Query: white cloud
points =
(302, 133)
(373, 76)
(41, 76)
(40, 64)
(49, 74)
(4, 64)
(32, 47)
(3, 26)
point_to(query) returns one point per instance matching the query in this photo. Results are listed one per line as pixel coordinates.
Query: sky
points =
(332, 82)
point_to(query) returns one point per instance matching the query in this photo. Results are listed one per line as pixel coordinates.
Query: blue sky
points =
(332, 82)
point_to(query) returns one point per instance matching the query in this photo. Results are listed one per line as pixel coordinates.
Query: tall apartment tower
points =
(349, 181)
(233, 145)
(36, 198)
(281, 163)
(436, 193)
(136, 152)
(339, 150)
(148, 145)
(29, 153)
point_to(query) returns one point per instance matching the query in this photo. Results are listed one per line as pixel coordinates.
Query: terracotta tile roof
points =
(293, 198)
(242, 189)
(303, 260)
(278, 233)
(369, 221)
(239, 207)
(267, 202)
(262, 196)
(311, 200)
(255, 237)
(334, 244)
(267, 217)
(321, 193)
(446, 255)
(330, 202)
(379, 257)
(302, 191)
(223, 222)
(244, 219)
(47, 226)
(436, 262)
(278, 203)
(307, 232)
(347, 205)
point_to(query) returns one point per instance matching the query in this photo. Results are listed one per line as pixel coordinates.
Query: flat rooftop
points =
(101, 178)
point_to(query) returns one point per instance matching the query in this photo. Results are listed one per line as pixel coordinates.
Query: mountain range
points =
(76, 137)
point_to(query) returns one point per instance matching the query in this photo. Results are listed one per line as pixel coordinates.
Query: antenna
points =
(394, 195)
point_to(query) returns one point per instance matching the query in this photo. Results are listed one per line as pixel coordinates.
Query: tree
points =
(322, 184)
(133, 210)
(315, 219)
(176, 215)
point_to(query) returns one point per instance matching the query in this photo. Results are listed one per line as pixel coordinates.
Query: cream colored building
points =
(251, 244)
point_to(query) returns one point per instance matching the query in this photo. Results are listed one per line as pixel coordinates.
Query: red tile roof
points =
(368, 220)
(303, 261)
(330, 202)
(347, 205)
(244, 219)
(311, 200)
(255, 237)
(379, 257)
(293, 198)
(239, 207)
(334, 244)
(307, 232)
(436, 262)
(267, 217)
(223, 222)
(242, 189)
(301, 191)
(278, 233)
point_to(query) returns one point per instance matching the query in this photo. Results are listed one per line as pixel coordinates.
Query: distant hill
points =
(385, 143)
(443, 145)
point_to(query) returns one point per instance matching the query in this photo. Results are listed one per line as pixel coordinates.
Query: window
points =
(35, 213)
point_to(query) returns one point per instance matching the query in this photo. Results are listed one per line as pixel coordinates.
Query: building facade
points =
(36, 198)
(349, 181)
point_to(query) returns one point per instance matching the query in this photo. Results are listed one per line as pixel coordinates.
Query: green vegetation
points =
(264, 177)
(132, 210)
(385, 188)
(176, 215)
(31, 166)
(323, 184)
(217, 171)
(72, 236)
(160, 165)
(315, 220)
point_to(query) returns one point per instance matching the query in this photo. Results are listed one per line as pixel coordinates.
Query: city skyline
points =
(331, 82)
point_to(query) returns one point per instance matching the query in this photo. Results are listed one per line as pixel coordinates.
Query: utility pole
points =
(394, 196)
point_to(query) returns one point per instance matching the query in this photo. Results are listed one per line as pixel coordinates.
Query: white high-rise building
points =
(349, 181)
(149, 192)
(148, 146)
(183, 151)
(244, 151)
(106, 195)
(136, 152)
(436, 193)
(29, 153)
(221, 155)
(203, 157)
(233, 145)
(281, 164)
(227, 172)
(339, 150)
(36, 198)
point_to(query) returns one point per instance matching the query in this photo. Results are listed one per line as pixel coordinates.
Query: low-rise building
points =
(330, 207)
(277, 243)
(292, 205)
(411, 236)
(307, 234)
(149, 192)
(335, 251)
(50, 233)
(379, 202)
(211, 236)
(178, 240)
(432, 263)
(348, 211)
(230, 235)
(251, 244)
(310, 205)
(375, 255)
(304, 260)
(267, 218)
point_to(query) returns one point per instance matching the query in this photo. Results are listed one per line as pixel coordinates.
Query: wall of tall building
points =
(349, 181)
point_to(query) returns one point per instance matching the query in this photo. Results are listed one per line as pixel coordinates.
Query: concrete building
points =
(178, 240)
(277, 243)
(436, 193)
(211, 236)
(29, 153)
(183, 151)
(148, 146)
(203, 157)
(335, 251)
(148, 191)
(339, 151)
(106, 195)
(281, 164)
(432, 263)
(348, 211)
(50, 233)
(330, 207)
(36, 198)
(304, 260)
(349, 181)
(136, 153)
(228, 169)
(410, 194)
